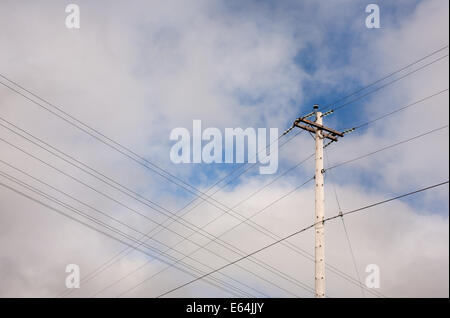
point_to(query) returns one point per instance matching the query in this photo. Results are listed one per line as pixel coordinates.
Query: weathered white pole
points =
(319, 212)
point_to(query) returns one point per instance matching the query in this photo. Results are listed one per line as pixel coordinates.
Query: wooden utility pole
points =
(321, 132)
(319, 214)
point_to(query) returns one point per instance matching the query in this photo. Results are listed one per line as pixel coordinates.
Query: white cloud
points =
(136, 72)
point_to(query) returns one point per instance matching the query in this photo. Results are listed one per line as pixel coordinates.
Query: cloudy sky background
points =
(136, 71)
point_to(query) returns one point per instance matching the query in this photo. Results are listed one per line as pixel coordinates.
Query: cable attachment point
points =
(329, 143)
(327, 113)
(288, 130)
(348, 130)
(307, 115)
(340, 214)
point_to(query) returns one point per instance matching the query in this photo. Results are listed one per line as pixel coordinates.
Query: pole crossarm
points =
(321, 127)
(310, 129)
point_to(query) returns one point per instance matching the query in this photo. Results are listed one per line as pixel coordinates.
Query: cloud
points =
(136, 72)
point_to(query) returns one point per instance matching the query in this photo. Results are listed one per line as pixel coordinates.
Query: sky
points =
(135, 71)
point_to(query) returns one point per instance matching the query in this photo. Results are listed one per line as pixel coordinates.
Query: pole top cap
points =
(315, 107)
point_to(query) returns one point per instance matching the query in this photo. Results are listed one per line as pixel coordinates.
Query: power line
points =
(385, 115)
(11, 178)
(235, 177)
(382, 149)
(272, 203)
(385, 85)
(152, 165)
(352, 253)
(266, 266)
(388, 200)
(158, 224)
(345, 230)
(76, 120)
(94, 220)
(387, 76)
(426, 98)
(96, 137)
(288, 245)
(221, 242)
(401, 108)
(114, 259)
(338, 272)
(98, 132)
(248, 218)
(341, 214)
(102, 135)
(358, 158)
(242, 166)
(387, 147)
(300, 231)
(117, 149)
(391, 113)
(288, 170)
(142, 161)
(393, 145)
